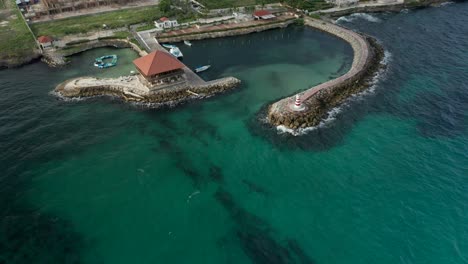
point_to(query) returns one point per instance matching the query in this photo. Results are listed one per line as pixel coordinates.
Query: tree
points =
(165, 6)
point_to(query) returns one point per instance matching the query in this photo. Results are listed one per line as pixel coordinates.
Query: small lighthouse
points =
(298, 106)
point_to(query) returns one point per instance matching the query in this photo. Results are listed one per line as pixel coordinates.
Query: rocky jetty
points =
(318, 100)
(130, 88)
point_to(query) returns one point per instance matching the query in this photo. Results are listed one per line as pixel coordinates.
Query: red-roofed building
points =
(263, 14)
(45, 41)
(160, 68)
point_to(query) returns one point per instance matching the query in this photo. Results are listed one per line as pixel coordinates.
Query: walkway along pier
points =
(162, 79)
(317, 101)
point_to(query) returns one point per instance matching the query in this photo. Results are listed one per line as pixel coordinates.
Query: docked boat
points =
(106, 61)
(176, 52)
(186, 42)
(168, 46)
(202, 68)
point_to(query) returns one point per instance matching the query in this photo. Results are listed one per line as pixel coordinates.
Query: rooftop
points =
(157, 62)
(260, 13)
(44, 39)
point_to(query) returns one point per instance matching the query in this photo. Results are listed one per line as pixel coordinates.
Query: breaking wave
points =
(355, 16)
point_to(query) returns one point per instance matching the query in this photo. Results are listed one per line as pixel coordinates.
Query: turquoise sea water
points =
(99, 181)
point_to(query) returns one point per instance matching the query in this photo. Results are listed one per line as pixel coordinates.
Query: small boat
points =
(168, 46)
(102, 64)
(176, 52)
(186, 42)
(202, 68)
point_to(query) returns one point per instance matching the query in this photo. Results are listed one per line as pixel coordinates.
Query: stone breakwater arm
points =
(320, 99)
(130, 88)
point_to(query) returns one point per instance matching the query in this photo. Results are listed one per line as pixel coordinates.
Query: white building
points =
(165, 23)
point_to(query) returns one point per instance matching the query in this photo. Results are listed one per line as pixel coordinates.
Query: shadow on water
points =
(216, 174)
(256, 236)
(30, 236)
(253, 187)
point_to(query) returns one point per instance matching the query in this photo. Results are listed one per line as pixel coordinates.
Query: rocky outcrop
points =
(17, 61)
(320, 99)
(227, 32)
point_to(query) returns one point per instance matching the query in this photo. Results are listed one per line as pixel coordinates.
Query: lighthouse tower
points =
(297, 106)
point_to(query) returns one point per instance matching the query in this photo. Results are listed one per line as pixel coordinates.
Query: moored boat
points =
(176, 52)
(202, 68)
(168, 46)
(188, 43)
(103, 62)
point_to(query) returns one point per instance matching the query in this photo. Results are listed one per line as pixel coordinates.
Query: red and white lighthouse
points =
(297, 106)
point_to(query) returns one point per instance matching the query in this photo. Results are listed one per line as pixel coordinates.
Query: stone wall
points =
(226, 33)
(166, 95)
(320, 99)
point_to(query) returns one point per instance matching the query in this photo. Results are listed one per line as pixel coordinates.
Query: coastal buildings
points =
(159, 68)
(45, 41)
(165, 23)
(263, 14)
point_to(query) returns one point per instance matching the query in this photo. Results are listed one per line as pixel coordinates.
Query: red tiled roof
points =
(157, 62)
(162, 19)
(44, 39)
(261, 13)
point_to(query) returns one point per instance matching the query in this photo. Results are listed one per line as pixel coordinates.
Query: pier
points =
(162, 79)
(318, 100)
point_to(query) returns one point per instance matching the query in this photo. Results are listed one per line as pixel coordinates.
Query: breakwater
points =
(318, 100)
(130, 88)
(227, 32)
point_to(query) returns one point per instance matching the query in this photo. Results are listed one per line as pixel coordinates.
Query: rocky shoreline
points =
(385, 8)
(319, 100)
(130, 89)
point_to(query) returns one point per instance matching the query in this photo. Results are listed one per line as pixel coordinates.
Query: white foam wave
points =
(67, 99)
(355, 16)
(445, 4)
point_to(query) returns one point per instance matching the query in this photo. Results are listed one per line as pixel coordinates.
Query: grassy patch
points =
(83, 24)
(215, 4)
(310, 5)
(15, 39)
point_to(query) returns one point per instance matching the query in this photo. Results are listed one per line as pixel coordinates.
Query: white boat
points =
(186, 42)
(202, 68)
(168, 46)
(176, 52)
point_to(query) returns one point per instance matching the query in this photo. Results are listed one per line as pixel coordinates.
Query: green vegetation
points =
(310, 5)
(15, 39)
(215, 4)
(2, 4)
(83, 24)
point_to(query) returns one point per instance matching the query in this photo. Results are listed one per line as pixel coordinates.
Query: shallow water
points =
(99, 181)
